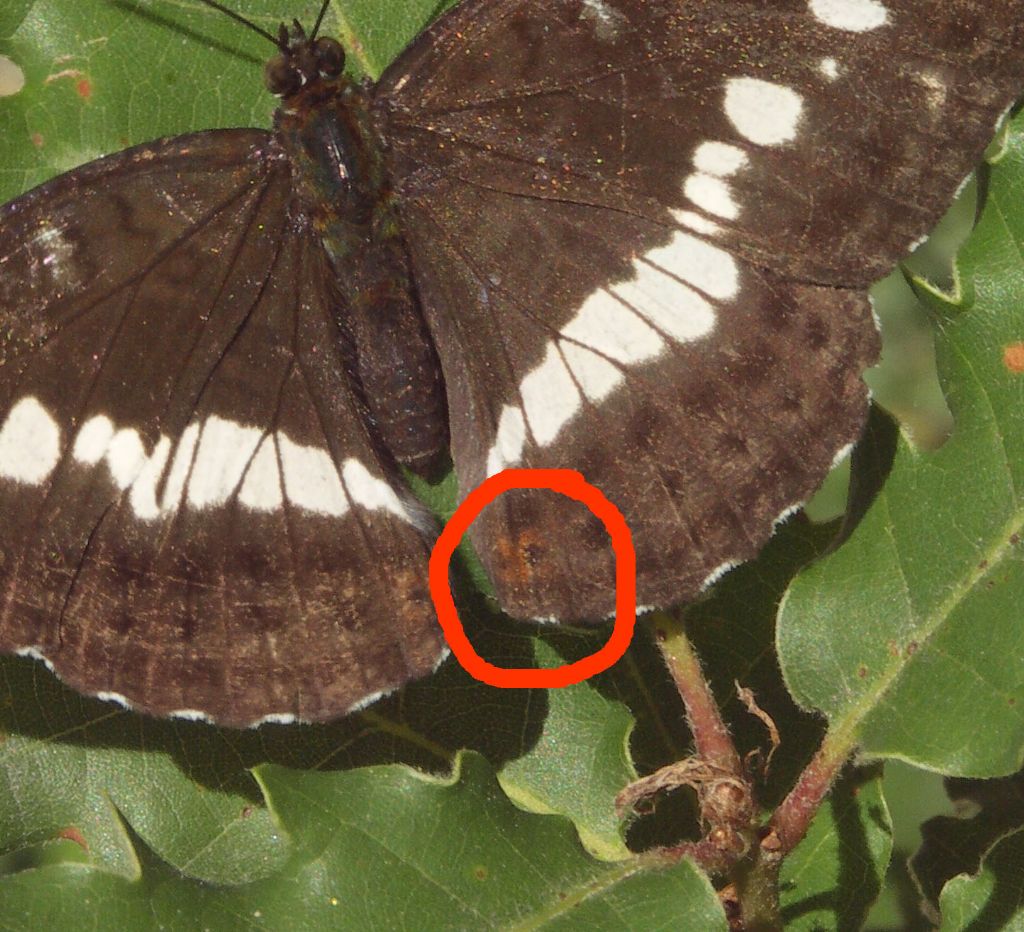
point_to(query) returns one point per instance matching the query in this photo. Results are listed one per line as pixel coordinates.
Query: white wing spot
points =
(510, 440)
(596, 375)
(696, 222)
(213, 462)
(674, 308)
(719, 158)
(176, 478)
(765, 113)
(712, 194)
(143, 493)
(261, 488)
(369, 491)
(310, 479)
(608, 326)
(550, 397)
(125, 457)
(850, 15)
(707, 268)
(706, 187)
(670, 296)
(93, 439)
(122, 450)
(829, 67)
(225, 449)
(29, 443)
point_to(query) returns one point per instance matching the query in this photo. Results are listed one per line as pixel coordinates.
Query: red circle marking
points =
(566, 482)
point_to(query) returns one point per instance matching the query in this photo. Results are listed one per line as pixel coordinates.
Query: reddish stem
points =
(791, 820)
(711, 736)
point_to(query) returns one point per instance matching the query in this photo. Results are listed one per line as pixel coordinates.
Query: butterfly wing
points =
(642, 240)
(195, 519)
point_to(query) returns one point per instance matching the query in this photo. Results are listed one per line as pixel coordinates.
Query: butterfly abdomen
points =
(396, 363)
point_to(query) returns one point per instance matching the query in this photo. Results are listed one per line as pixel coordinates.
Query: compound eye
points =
(281, 77)
(330, 57)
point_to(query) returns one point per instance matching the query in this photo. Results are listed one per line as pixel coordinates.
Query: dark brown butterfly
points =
(628, 237)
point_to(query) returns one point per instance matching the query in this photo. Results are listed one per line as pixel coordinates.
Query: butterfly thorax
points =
(343, 192)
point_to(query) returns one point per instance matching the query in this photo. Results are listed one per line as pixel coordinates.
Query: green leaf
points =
(835, 873)
(909, 636)
(994, 899)
(956, 845)
(582, 785)
(386, 847)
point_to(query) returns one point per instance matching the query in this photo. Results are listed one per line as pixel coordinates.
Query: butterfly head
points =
(302, 61)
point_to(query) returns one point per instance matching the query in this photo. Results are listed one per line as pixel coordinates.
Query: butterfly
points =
(626, 237)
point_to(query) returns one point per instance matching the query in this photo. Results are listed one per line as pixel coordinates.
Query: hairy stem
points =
(758, 881)
(790, 821)
(726, 795)
(756, 877)
(711, 737)
(757, 892)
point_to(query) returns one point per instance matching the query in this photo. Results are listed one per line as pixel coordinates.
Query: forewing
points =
(855, 120)
(195, 519)
(641, 231)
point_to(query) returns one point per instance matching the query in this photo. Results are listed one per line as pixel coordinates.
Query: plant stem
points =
(757, 881)
(756, 876)
(757, 891)
(711, 737)
(790, 821)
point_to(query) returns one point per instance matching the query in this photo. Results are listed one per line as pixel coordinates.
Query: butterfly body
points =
(627, 237)
(342, 191)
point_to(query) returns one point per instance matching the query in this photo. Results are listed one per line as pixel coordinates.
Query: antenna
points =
(319, 20)
(238, 18)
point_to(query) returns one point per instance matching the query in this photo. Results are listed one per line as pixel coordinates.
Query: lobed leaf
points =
(909, 636)
(385, 847)
(994, 899)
